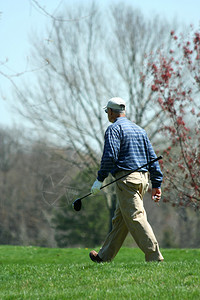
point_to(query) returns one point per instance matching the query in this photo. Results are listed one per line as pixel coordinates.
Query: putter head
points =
(77, 204)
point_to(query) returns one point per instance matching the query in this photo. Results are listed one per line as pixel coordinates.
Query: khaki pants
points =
(130, 216)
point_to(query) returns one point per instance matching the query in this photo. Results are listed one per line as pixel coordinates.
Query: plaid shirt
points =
(127, 147)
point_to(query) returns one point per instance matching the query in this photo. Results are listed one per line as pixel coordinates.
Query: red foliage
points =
(176, 94)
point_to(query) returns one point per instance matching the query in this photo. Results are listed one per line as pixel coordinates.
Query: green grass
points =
(43, 273)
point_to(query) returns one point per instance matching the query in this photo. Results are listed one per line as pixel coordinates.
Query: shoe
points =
(95, 257)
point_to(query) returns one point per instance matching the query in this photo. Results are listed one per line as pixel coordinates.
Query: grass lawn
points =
(43, 273)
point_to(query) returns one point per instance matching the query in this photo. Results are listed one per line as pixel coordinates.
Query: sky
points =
(20, 19)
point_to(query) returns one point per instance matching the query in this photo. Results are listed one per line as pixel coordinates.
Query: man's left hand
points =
(96, 187)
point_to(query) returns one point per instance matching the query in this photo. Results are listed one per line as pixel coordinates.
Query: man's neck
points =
(118, 116)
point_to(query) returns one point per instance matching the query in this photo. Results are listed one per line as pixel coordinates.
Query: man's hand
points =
(95, 189)
(156, 194)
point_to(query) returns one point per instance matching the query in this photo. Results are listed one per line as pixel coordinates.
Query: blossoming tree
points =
(176, 87)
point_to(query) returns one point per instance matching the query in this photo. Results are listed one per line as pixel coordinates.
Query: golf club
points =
(77, 203)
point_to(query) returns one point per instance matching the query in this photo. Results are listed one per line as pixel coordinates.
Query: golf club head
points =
(77, 204)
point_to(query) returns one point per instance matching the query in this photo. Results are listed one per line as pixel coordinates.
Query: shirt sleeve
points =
(110, 152)
(156, 175)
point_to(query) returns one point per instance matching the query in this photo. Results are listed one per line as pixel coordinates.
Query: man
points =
(126, 148)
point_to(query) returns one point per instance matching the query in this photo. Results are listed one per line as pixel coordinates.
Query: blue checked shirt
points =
(127, 147)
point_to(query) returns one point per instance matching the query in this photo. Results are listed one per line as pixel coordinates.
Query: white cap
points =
(116, 103)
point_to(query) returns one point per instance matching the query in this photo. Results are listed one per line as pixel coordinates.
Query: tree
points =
(25, 216)
(9, 149)
(128, 47)
(90, 61)
(176, 83)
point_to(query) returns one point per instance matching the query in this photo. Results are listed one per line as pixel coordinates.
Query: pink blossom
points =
(154, 88)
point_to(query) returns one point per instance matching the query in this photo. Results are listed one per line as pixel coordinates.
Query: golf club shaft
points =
(149, 163)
